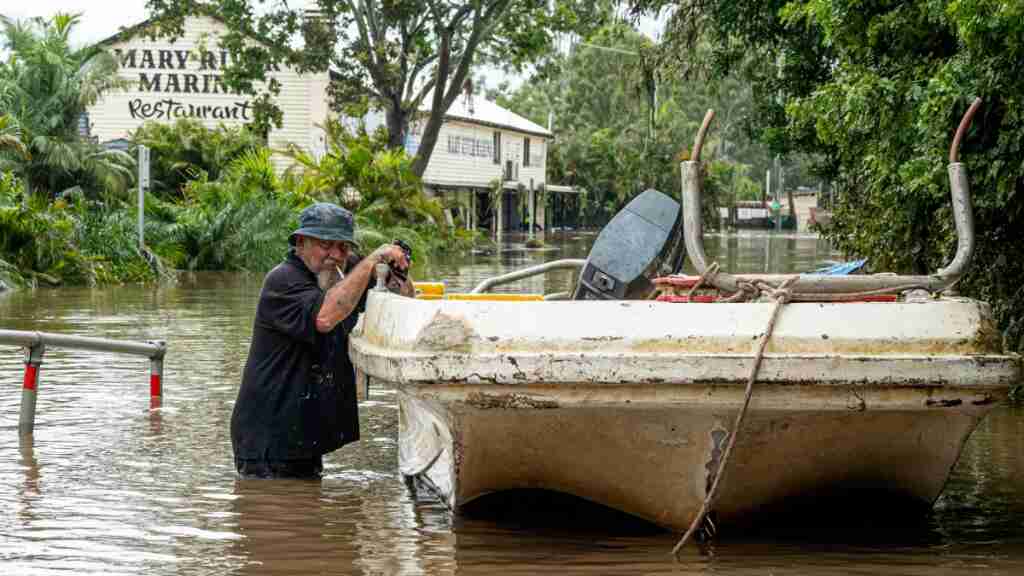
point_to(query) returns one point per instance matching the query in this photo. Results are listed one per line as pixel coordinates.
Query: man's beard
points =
(328, 277)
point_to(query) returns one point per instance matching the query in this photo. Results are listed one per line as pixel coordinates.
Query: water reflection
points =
(111, 486)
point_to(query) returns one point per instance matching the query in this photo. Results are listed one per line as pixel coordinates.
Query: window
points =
(526, 151)
(497, 147)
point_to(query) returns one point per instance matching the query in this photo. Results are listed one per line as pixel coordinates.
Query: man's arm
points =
(344, 296)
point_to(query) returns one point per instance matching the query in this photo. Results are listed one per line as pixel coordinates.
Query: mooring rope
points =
(709, 273)
(781, 295)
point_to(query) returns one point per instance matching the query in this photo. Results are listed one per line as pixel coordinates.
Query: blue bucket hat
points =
(326, 221)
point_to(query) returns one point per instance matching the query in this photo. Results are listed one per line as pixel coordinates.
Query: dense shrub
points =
(186, 150)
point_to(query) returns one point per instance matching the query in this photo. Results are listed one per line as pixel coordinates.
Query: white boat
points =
(859, 406)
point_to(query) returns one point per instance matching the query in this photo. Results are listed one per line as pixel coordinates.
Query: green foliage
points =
(39, 239)
(240, 222)
(10, 138)
(359, 173)
(109, 238)
(615, 139)
(378, 185)
(183, 150)
(390, 55)
(877, 89)
(10, 192)
(45, 87)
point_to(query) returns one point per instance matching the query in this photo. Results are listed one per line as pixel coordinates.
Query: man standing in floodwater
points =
(297, 400)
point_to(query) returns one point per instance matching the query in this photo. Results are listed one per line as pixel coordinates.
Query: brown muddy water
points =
(110, 487)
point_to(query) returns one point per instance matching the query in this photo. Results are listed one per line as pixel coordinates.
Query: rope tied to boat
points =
(708, 274)
(781, 294)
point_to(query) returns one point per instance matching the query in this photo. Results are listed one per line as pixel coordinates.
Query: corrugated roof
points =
(479, 110)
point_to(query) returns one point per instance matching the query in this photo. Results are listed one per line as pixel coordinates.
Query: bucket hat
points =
(326, 221)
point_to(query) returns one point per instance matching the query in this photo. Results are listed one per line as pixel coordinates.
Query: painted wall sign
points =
(182, 73)
(183, 78)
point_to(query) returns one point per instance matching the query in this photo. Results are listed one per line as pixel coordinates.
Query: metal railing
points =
(811, 285)
(35, 344)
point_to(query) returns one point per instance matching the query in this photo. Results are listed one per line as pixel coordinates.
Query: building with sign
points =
(183, 79)
(483, 148)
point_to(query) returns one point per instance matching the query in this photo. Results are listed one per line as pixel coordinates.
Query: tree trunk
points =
(397, 123)
(437, 109)
(792, 209)
(427, 142)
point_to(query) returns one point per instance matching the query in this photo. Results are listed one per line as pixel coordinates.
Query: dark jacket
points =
(297, 399)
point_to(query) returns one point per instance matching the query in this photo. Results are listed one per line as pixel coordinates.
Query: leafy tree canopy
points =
(45, 88)
(623, 119)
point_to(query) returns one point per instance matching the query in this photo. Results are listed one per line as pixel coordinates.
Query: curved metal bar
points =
(963, 214)
(558, 296)
(692, 192)
(698, 144)
(965, 123)
(489, 283)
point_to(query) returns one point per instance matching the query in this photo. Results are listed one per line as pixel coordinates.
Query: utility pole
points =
(143, 186)
(778, 193)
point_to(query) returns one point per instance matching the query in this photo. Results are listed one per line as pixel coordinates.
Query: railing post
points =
(156, 375)
(33, 360)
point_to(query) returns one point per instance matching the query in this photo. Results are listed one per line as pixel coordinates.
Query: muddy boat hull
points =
(497, 397)
(656, 462)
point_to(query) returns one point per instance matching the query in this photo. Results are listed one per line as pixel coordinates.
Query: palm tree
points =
(45, 88)
(10, 138)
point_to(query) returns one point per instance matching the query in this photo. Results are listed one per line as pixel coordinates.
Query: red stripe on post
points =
(31, 376)
(154, 385)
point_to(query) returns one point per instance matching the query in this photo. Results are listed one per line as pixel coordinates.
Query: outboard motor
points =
(631, 248)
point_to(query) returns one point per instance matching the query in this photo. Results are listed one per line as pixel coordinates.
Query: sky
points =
(104, 18)
(100, 18)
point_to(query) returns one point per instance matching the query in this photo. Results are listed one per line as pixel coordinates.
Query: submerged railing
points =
(35, 344)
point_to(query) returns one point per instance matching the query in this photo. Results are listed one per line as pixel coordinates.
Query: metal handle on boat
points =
(692, 194)
(568, 263)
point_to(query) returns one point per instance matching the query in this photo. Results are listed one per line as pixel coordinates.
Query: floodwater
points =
(108, 486)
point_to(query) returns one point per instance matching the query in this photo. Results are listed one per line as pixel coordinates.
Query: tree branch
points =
(417, 26)
(435, 11)
(419, 67)
(427, 87)
(372, 65)
(483, 24)
(457, 18)
(371, 19)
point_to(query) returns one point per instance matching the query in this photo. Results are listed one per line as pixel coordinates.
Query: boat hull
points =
(657, 460)
(845, 417)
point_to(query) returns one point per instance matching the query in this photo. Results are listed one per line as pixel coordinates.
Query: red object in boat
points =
(680, 283)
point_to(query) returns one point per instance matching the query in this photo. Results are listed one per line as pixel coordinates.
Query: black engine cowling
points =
(633, 247)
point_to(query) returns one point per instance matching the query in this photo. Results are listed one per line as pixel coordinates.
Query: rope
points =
(709, 273)
(781, 295)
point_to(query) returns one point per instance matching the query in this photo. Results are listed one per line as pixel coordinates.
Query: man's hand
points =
(390, 254)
